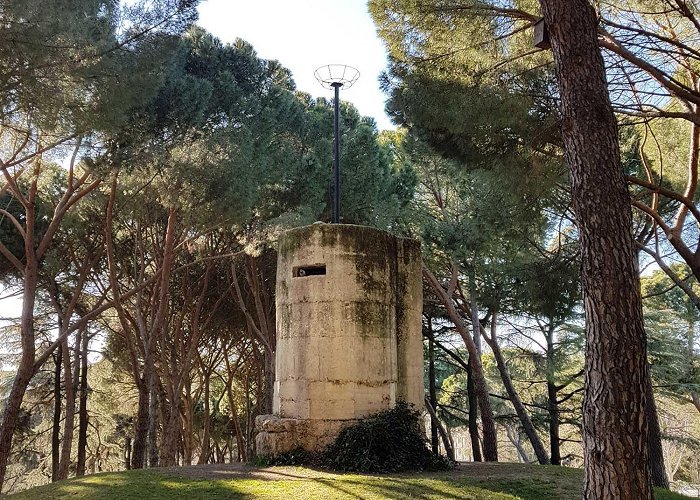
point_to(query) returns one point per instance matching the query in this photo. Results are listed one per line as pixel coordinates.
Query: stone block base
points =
(275, 435)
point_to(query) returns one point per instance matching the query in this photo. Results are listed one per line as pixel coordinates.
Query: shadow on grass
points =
(136, 485)
(478, 483)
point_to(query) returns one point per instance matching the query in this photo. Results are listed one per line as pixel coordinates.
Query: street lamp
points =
(336, 77)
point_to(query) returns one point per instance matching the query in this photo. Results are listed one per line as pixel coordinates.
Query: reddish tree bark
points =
(614, 418)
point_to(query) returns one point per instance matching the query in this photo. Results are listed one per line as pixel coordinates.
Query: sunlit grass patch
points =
(469, 482)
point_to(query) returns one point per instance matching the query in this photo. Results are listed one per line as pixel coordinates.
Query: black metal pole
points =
(336, 156)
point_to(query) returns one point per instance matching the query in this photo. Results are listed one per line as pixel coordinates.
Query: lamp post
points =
(336, 77)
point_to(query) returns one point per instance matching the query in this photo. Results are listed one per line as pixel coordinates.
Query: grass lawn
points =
(469, 481)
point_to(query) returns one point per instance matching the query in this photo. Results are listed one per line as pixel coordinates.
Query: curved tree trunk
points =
(513, 395)
(614, 418)
(487, 422)
(447, 443)
(25, 369)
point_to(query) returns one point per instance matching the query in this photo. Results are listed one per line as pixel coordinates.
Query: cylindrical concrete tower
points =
(349, 344)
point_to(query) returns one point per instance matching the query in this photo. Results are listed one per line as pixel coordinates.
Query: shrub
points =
(389, 441)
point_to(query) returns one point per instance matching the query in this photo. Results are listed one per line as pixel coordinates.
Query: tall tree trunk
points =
(473, 414)
(432, 391)
(140, 445)
(188, 416)
(656, 453)
(553, 411)
(266, 326)
(70, 381)
(552, 399)
(153, 457)
(127, 452)
(25, 369)
(206, 441)
(489, 427)
(614, 416)
(57, 406)
(446, 441)
(82, 409)
(240, 441)
(513, 395)
(517, 442)
(172, 426)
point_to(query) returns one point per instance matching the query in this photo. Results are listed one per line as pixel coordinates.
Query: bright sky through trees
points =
(304, 35)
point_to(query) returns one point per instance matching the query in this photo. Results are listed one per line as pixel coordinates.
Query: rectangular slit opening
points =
(303, 271)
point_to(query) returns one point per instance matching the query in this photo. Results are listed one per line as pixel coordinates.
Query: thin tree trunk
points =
(516, 441)
(187, 426)
(57, 406)
(513, 395)
(432, 392)
(694, 395)
(82, 410)
(25, 369)
(206, 441)
(552, 400)
(70, 379)
(614, 417)
(446, 441)
(489, 428)
(490, 447)
(553, 411)
(473, 414)
(139, 451)
(127, 453)
(266, 326)
(153, 457)
(656, 452)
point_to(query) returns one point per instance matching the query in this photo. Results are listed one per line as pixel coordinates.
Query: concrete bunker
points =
(349, 342)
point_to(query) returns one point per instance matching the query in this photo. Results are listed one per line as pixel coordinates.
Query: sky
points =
(304, 35)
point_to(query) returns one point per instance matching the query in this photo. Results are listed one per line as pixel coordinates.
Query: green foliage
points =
(80, 65)
(672, 322)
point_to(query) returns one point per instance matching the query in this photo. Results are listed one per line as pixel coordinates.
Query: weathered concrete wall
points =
(409, 309)
(349, 340)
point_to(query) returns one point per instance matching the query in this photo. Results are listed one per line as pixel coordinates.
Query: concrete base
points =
(275, 435)
(348, 341)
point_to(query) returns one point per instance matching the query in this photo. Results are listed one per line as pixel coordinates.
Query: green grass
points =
(483, 481)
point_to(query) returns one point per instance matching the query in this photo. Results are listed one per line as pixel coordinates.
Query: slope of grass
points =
(475, 482)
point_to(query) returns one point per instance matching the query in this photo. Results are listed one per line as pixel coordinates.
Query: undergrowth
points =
(388, 441)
